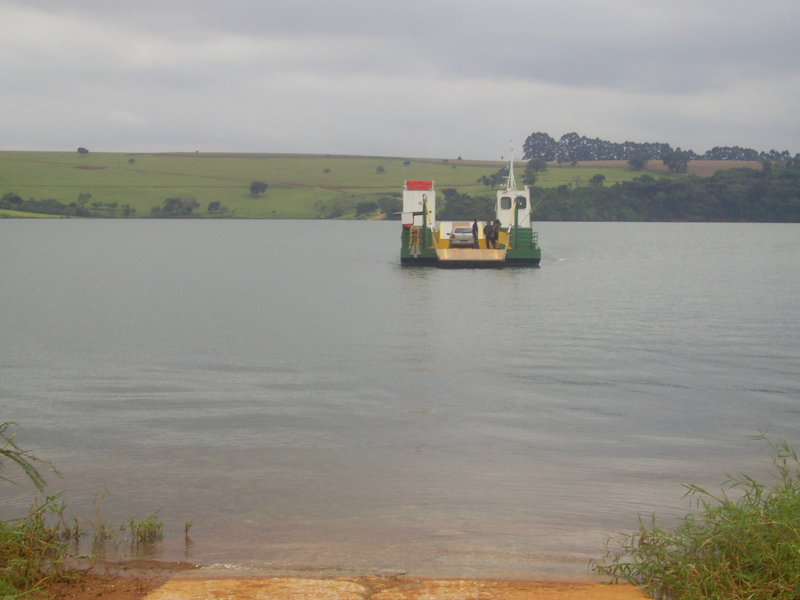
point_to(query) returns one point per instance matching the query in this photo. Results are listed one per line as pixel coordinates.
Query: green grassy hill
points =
(300, 186)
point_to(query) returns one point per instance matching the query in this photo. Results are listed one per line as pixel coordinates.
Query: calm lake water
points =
(309, 404)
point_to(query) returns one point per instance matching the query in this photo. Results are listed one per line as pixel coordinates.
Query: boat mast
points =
(510, 183)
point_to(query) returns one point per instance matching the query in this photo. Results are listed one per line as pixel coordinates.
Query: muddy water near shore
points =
(309, 404)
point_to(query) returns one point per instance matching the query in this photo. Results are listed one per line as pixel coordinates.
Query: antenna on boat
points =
(510, 183)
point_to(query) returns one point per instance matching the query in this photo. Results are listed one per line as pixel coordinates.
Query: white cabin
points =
(417, 194)
(510, 197)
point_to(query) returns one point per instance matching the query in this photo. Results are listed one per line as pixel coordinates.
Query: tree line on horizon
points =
(572, 147)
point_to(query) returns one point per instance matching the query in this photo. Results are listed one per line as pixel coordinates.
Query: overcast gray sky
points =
(435, 78)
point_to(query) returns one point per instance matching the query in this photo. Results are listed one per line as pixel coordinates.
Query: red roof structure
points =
(419, 185)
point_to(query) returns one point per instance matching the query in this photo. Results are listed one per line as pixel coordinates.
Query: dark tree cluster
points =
(391, 206)
(51, 206)
(769, 195)
(738, 153)
(180, 206)
(366, 208)
(495, 179)
(257, 188)
(461, 207)
(572, 147)
(329, 209)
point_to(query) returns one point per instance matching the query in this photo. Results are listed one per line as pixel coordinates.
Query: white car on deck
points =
(461, 237)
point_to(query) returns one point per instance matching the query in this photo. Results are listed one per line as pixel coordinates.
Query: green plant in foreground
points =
(33, 551)
(22, 458)
(38, 549)
(103, 532)
(146, 531)
(736, 548)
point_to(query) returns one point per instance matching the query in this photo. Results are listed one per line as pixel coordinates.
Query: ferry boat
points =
(428, 242)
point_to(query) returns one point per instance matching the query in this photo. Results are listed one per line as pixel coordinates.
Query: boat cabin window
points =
(505, 202)
(522, 201)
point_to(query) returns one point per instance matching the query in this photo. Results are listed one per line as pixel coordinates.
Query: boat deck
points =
(470, 257)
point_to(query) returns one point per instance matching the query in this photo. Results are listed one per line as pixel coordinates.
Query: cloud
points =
(432, 78)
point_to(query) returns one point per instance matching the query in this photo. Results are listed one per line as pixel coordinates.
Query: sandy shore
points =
(176, 581)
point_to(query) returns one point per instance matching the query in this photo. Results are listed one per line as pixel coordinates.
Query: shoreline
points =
(156, 580)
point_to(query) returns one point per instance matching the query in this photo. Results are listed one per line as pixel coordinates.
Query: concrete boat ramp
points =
(384, 588)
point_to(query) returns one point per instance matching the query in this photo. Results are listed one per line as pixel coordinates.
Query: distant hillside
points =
(306, 186)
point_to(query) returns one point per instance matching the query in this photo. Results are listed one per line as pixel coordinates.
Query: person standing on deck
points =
(487, 234)
(475, 233)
